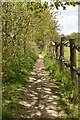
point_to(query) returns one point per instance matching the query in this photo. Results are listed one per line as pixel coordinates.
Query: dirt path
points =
(40, 100)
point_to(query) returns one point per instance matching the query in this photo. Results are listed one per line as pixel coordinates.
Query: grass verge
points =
(19, 69)
(67, 94)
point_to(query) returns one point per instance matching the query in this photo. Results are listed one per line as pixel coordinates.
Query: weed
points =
(67, 94)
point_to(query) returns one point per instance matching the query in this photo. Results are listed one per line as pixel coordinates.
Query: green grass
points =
(67, 55)
(67, 95)
(7, 115)
(12, 91)
(19, 70)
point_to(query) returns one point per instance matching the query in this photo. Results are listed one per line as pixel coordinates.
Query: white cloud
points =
(69, 23)
(68, 20)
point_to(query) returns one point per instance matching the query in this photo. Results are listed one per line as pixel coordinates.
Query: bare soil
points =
(40, 98)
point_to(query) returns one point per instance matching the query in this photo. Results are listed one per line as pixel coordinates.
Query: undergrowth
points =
(67, 94)
(18, 70)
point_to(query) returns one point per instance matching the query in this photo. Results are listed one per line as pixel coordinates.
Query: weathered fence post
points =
(62, 54)
(56, 50)
(73, 61)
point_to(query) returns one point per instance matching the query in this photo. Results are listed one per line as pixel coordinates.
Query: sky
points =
(68, 19)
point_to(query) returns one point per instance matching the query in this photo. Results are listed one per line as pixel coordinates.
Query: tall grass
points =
(67, 94)
(18, 77)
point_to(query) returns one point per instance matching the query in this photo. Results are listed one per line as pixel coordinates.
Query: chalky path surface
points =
(40, 98)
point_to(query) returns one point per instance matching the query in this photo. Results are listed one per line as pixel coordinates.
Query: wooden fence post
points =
(62, 54)
(73, 61)
(56, 50)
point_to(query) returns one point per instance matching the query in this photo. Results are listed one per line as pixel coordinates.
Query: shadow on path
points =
(39, 99)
